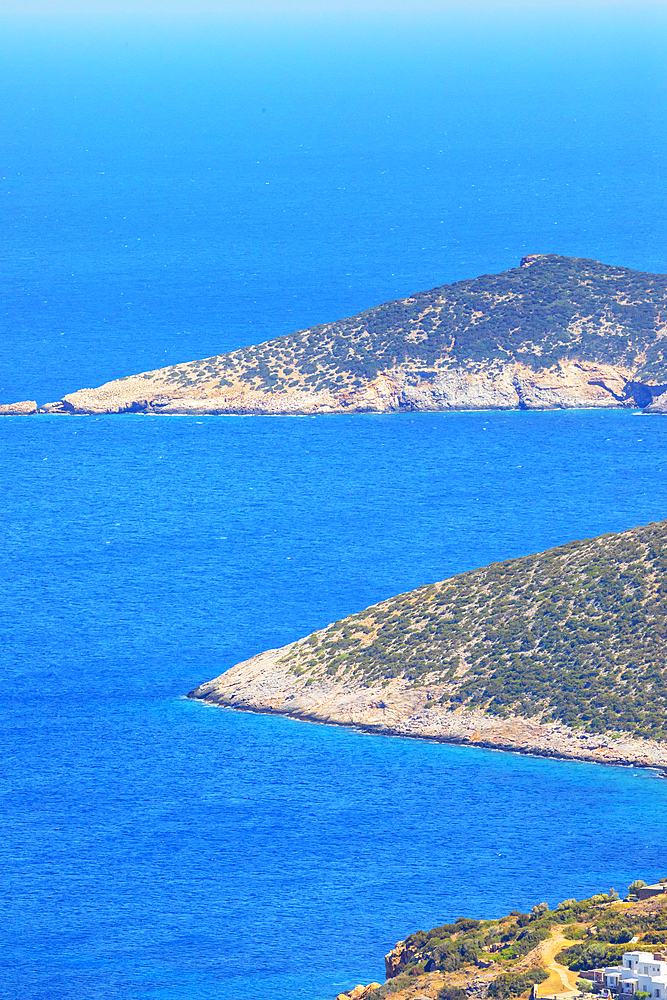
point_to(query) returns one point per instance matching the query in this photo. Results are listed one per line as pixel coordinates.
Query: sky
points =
(316, 7)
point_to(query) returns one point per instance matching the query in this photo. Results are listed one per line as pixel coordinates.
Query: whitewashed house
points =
(641, 972)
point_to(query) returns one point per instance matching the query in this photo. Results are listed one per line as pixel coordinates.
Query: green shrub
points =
(655, 937)
(513, 984)
(392, 986)
(525, 942)
(417, 939)
(452, 993)
(466, 924)
(444, 930)
(614, 933)
(590, 954)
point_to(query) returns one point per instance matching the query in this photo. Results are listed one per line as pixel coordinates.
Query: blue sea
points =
(177, 187)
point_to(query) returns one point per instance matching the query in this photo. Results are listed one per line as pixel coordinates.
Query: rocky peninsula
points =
(561, 654)
(555, 332)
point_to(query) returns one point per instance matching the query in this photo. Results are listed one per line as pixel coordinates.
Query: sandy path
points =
(560, 980)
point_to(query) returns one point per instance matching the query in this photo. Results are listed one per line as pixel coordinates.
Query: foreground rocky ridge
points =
(556, 332)
(542, 953)
(560, 653)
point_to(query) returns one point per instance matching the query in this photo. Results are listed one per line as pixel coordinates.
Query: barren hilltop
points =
(560, 653)
(554, 332)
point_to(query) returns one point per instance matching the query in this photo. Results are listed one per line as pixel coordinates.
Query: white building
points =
(641, 972)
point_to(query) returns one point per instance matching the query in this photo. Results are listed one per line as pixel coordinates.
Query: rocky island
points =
(561, 653)
(554, 332)
(544, 953)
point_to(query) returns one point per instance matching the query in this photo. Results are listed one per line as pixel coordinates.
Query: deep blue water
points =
(153, 847)
(172, 189)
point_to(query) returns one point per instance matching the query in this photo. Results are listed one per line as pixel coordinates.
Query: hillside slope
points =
(562, 652)
(554, 332)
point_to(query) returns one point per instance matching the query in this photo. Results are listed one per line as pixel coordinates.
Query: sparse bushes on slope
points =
(574, 634)
(556, 309)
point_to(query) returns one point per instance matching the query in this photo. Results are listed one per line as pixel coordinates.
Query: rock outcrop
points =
(398, 958)
(359, 992)
(23, 409)
(658, 404)
(534, 952)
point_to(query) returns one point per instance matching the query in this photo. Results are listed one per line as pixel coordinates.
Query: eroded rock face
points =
(397, 959)
(472, 387)
(658, 402)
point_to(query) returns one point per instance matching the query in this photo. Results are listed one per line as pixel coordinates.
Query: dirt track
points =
(560, 980)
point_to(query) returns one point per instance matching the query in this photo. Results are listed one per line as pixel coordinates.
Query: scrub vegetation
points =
(575, 635)
(555, 309)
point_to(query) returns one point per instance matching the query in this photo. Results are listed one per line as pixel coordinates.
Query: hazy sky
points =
(191, 7)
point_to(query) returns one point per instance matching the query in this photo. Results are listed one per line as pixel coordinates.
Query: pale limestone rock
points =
(659, 404)
(359, 992)
(22, 409)
(399, 708)
(500, 386)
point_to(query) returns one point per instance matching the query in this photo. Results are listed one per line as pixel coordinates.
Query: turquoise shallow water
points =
(155, 847)
(171, 190)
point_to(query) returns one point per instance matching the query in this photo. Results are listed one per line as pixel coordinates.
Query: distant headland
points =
(555, 332)
(559, 654)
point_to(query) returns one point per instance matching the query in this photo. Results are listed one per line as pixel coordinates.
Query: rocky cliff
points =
(559, 653)
(555, 332)
(511, 386)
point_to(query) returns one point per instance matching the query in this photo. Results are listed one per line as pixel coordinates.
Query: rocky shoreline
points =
(264, 684)
(406, 387)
